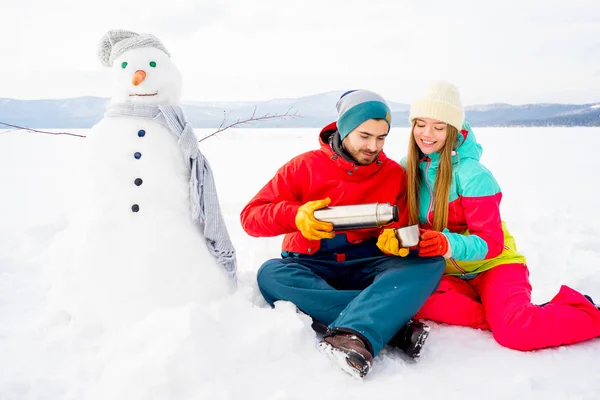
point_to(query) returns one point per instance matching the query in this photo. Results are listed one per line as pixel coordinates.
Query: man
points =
(341, 279)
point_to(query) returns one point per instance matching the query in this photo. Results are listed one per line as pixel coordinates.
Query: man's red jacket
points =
(316, 175)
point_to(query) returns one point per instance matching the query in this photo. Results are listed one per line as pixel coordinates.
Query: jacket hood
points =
(326, 133)
(466, 144)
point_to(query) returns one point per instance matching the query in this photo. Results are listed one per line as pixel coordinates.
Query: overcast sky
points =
(512, 51)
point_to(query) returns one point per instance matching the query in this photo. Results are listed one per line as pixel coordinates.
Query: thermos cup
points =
(373, 215)
(408, 236)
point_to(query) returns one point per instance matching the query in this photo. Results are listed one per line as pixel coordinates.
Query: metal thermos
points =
(373, 215)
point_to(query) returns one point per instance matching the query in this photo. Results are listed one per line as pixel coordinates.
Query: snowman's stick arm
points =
(17, 127)
(252, 118)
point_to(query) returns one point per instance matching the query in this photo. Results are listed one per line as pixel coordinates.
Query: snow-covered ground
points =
(241, 349)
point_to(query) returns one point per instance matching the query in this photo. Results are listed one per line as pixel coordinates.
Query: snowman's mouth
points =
(144, 94)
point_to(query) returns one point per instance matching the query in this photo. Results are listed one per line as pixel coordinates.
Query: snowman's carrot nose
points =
(138, 77)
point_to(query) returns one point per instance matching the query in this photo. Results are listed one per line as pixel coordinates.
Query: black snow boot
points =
(591, 301)
(585, 295)
(349, 352)
(411, 338)
(318, 327)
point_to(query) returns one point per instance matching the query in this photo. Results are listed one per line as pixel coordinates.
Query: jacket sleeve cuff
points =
(449, 252)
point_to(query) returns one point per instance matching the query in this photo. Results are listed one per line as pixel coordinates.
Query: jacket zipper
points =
(453, 261)
(462, 271)
(430, 191)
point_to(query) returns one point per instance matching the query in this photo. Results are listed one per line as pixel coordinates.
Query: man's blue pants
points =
(373, 296)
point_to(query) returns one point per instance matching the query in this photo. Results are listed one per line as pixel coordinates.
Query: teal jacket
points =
(477, 236)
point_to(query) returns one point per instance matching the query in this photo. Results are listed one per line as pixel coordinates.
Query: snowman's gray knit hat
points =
(118, 41)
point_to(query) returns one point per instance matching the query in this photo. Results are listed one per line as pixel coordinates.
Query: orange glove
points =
(310, 227)
(433, 244)
(388, 243)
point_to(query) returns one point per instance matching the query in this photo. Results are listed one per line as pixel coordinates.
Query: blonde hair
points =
(443, 179)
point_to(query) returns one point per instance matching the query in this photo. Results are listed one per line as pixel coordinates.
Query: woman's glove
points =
(388, 243)
(433, 244)
(310, 227)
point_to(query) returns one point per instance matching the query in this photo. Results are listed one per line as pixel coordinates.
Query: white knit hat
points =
(118, 41)
(441, 102)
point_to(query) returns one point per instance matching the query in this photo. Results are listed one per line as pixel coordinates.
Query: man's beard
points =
(357, 156)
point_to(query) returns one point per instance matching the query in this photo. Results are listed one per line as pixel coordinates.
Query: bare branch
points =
(17, 127)
(252, 118)
(10, 130)
(222, 127)
(224, 119)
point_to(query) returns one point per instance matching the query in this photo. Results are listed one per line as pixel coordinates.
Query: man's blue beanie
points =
(358, 106)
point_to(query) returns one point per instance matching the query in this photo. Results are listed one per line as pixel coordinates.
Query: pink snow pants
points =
(500, 300)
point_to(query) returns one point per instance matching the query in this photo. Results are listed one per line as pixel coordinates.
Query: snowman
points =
(153, 234)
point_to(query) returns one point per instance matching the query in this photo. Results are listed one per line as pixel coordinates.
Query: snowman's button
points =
(141, 133)
(138, 181)
(137, 155)
(135, 208)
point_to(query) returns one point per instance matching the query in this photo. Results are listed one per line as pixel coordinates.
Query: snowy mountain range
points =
(311, 111)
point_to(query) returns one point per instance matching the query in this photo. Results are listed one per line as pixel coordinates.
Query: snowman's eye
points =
(152, 64)
(123, 64)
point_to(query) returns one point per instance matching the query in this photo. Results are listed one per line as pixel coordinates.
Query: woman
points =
(456, 202)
